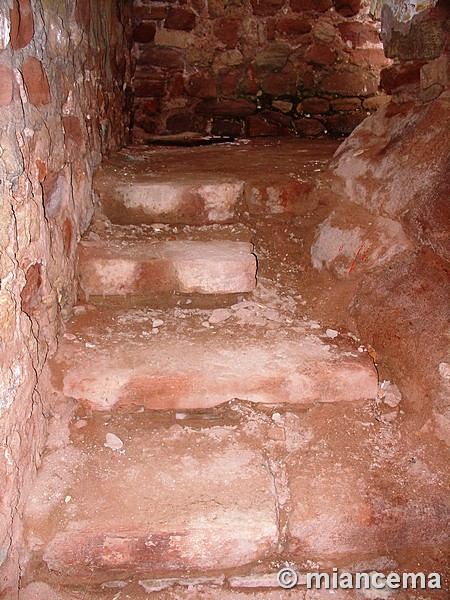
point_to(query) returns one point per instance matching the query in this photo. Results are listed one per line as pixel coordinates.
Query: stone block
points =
(346, 104)
(354, 83)
(227, 31)
(347, 8)
(180, 18)
(173, 38)
(227, 79)
(369, 57)
(309, 127)
(295, 27)
(179, 122)
(314, 106)
(358, 34)
(319, 54)
(201, 86)
(266, 7)
(227, 128)
(36, 81)
(344, 124)
(259, 127)
(273, 56)
(399, 77)
(150, 13)
(21, 24)
(144, 33)
(166, 58)
(149, 88)
(280, 84)
(141, 199)
(225, 108)
(6, 85)
(141, 268)
(204, 367)
(316, 5)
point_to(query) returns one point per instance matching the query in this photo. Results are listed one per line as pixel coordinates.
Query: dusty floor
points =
(315, 485)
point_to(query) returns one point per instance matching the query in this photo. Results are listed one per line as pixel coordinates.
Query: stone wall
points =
(389, 182)
(255, 67)
(64, 68)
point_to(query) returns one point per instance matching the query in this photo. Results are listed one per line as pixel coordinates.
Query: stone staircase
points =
(206, 431)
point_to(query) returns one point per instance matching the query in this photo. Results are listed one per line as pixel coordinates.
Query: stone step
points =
(146, 267)
(183, 358)
(213, 184)
(227, 496)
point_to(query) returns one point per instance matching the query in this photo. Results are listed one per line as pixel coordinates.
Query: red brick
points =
(347, 8)
(181, 19)
(259, 127)
(293, 26)
(315, 106)
(36, 81)
(319, 54)
(179, 123)
(353, 83)
(152, 106)
(309, 127)
(227, 31)
(201, 86)
(225, 108)
(399, 77)
(22, 25)
(6, 85)
(359, 34)
(345, 123)
(317, 5)
(168, 58)
(266, 8)
(144, 32)
(279, 84)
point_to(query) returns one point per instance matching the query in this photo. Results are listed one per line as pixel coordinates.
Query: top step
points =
(214, 184)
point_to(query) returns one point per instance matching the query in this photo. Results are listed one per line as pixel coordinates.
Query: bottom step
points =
(156, 496)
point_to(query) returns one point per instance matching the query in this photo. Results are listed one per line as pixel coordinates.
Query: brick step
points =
(146, 267)
(213, 184)
(188, 359)
(154, 496)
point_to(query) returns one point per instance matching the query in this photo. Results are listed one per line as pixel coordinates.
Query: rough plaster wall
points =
(64, 66)
(255, 67)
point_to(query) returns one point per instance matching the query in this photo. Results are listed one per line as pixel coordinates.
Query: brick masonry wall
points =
(64, 68)
(255, 67)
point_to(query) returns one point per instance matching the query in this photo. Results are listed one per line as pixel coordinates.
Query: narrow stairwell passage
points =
(218, 418)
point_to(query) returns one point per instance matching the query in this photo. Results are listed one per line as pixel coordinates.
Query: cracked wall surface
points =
(64, 69)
